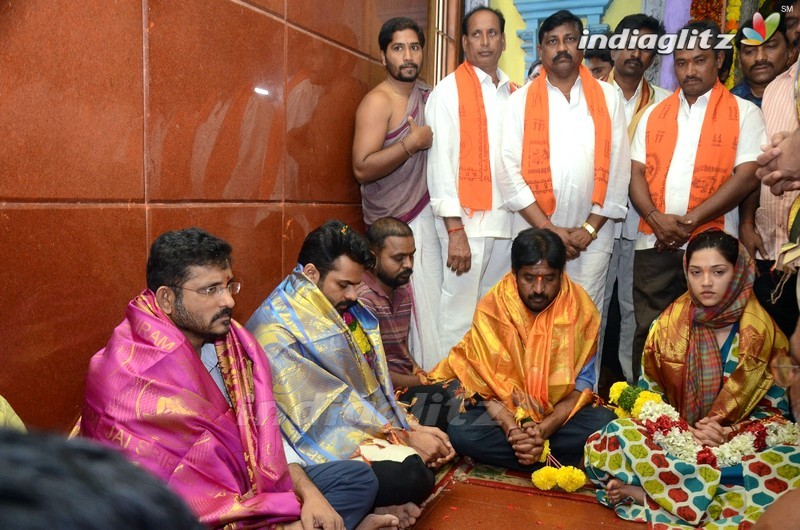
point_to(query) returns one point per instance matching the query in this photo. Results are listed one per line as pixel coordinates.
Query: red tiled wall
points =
(123, 119)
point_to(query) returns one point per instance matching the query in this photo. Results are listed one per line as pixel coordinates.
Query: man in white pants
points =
(465, 112)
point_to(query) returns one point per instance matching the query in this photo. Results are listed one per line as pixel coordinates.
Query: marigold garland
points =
(671, 432)
(553, 474)
(706, 9)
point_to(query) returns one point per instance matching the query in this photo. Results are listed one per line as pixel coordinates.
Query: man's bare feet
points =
(374, 521)
(406, 513)
(617, 491)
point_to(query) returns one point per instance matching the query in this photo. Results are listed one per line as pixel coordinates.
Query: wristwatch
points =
(589, 228)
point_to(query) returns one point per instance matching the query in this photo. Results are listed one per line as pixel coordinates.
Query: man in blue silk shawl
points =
(330, 378)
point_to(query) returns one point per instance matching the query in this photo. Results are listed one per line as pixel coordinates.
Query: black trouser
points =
(402, 482)
(658, 280)
(434, 405)
(784, 312)
(476, 434)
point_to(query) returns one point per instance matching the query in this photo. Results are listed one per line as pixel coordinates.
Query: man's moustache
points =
(763, 63)
(225, 312)
(562, 55)
(634, 62)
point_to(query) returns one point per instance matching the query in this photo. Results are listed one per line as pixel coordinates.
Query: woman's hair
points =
(726, 244)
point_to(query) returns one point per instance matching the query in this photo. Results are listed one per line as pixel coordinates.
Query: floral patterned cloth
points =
(682, 494)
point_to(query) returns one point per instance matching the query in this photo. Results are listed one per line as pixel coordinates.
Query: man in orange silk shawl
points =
(527, 363)
(186, 392)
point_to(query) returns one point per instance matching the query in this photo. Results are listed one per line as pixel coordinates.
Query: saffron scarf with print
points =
(536, 140)
(149, 396)
(524, 360)
(716, 151)
(474, 168)
(682, 356)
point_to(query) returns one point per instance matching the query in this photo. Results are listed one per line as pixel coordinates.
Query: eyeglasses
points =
(785, 370)
(215, 290)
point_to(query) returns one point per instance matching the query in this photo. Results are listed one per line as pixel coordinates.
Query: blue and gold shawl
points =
(329, 399)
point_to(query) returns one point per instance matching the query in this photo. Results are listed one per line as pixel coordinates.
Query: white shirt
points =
(208, 354)
(630, 227)
(441, 113)
(572, 141)
(679, 176)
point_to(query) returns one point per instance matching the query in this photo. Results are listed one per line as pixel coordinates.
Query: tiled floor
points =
(473, 507)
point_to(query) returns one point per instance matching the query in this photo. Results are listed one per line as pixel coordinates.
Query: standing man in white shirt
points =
(465, 111)
(637, 95)
(693, 161)
(579, 122)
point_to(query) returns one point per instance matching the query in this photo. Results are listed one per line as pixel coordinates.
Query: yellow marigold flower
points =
(570, 478)
(616, 391)
(643, 398)
(521, 415)
(545, 478)
(545, 451)
(621, 413)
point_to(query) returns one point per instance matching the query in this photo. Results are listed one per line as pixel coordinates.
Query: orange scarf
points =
(474, 169)
(536, 140)
(716, 151)
(524, 361)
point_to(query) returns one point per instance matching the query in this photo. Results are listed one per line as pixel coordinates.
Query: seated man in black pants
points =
(527, 363)
(330, 379)
(386, 292)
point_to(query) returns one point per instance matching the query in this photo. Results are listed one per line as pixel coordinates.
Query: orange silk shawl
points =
(716, 151)
(664, 358)
(520, 359)
(536, 140)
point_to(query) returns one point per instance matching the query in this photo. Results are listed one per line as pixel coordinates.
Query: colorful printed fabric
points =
(680, 493)
(149, 395)
(703, 360)
(681, 358)
(520, 359)
(329, 398)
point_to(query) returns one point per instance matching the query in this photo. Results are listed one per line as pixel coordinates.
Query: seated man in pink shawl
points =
(185, 391)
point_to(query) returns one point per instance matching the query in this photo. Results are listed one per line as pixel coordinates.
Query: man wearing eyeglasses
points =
(185, 391)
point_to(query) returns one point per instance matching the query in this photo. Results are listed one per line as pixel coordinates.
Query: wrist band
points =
(546, 223)
(589, 228)
(646, 217)
(454, 230)
(404, 147)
